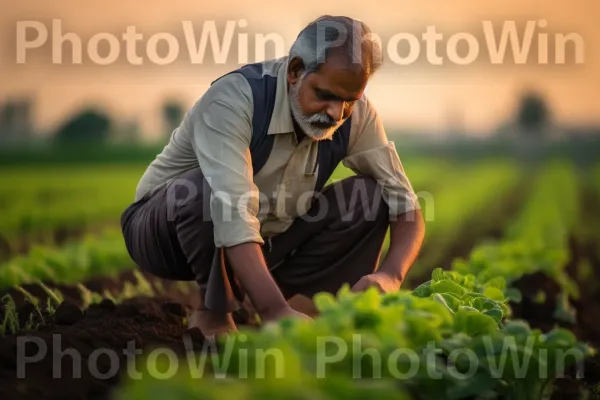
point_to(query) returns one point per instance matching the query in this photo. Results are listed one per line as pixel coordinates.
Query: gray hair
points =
(347, 38)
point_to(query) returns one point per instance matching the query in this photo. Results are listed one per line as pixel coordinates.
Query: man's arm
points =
(221, 130)
(372, 154)
(249, 266)
(406, 238)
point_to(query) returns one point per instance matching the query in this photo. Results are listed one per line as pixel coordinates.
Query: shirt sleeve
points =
(221, 129)
(371, 153)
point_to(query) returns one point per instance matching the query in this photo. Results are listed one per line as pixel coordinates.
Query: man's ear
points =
(295, 68)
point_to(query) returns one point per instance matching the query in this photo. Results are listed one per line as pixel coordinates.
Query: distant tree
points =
(89, 125)
(15, 118)
(533, 113)
(173, 113)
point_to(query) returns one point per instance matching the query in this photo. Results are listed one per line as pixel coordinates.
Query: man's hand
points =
(384, 282)
(248, 263)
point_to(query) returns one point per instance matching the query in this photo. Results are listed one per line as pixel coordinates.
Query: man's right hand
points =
(249, 265)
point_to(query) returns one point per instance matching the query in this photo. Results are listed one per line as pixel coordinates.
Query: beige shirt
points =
(215, 135)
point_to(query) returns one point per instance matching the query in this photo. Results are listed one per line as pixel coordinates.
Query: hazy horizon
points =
(480, 95)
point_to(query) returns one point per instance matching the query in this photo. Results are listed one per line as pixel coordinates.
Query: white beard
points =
(306, 122)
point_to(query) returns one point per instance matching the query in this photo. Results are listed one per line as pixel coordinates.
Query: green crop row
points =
(451, 196)
(473, 195)
(422, 173)
(38, 201)
(448, 339)
(91, 256)
(33, 199)
(538, 240)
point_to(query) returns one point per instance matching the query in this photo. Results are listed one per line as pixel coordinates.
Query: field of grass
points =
(40, 203)
(499, 277)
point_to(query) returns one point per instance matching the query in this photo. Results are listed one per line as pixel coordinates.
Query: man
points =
(237, 199)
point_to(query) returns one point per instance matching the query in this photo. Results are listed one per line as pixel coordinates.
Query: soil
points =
(135, 324)
(138, 323)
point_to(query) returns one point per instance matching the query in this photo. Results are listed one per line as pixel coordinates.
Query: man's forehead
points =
(337, 78)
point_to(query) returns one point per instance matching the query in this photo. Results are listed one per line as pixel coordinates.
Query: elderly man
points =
(237, 200)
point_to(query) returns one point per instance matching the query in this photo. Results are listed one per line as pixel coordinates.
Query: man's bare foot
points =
(211, 323)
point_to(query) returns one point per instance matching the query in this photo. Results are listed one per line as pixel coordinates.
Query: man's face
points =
(321, 101)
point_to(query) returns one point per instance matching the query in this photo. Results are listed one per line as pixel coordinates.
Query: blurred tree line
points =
(94, 135)
(87, 126)
(94, 126)
(532, 118)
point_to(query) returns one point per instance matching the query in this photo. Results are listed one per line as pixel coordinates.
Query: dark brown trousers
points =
(170, 234)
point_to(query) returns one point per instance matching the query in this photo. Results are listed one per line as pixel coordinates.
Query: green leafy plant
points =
(460, 292)
(356, 335)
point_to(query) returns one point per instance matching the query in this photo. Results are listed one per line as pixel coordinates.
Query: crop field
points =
(502, 303)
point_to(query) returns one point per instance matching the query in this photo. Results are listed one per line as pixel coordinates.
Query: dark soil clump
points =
(89, 350)
(77, 353)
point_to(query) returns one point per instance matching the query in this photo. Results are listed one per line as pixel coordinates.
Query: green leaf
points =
(488, 307)
(453, 276)
(514, 295)
(324, 301)
(494, 293)
(437, 275)
(447, 286)
(473, 323)
(516, 328)
(497, 282)
(367, 319)
(470, 296)
(482, 304)
(564, 311)
(452, 300)
(423, 290)
(495, 313)
(560, 338)
(440, 299)
(469, 280)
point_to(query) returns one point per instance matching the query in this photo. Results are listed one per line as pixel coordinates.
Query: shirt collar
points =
(281, 120)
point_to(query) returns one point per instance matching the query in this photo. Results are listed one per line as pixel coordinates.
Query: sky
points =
(471, 88)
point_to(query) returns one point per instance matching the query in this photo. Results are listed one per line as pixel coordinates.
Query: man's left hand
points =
(385, 283)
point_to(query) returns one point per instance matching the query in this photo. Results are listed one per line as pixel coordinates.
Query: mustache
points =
(321, 119)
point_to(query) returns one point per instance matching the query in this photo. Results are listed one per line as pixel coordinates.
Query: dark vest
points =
(330, 152)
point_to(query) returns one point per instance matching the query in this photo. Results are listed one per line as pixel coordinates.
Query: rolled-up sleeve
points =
(371, 153)
(221, 128)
